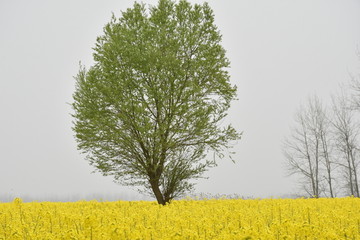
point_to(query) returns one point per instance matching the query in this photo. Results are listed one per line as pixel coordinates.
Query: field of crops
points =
(183, 219)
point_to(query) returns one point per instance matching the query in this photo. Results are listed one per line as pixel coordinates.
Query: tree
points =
(149, 110)
(308, 149)
(346, 135)
(324, 130)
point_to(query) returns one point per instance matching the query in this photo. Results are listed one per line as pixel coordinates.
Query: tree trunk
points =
(317, 168)
(157, 192)
(350, 173)
(329, 178)
(311, 172)
(356, 190)
(330, 182)
(327, 164)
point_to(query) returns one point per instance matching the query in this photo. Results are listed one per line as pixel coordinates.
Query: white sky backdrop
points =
(281, 51)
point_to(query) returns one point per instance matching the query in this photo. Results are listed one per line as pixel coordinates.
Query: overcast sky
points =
(280, 51)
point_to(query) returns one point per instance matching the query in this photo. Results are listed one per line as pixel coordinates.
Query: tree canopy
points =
(149, 110)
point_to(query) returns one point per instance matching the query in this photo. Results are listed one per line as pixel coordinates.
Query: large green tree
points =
(149, 110)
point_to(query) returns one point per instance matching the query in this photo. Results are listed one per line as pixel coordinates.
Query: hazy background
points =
(281, 51)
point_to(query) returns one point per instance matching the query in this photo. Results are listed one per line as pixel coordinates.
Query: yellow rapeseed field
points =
(183, 219)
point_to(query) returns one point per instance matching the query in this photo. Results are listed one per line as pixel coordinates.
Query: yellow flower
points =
(268, 219)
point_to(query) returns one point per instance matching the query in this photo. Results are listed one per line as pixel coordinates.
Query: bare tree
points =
(298, 150)
(308, 149)
(324, 131)
(308, 145)
(346, 133)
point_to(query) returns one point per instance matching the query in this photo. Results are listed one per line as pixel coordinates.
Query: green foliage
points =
(149, 110)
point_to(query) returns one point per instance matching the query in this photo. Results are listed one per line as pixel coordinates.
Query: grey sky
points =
(280, 52)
